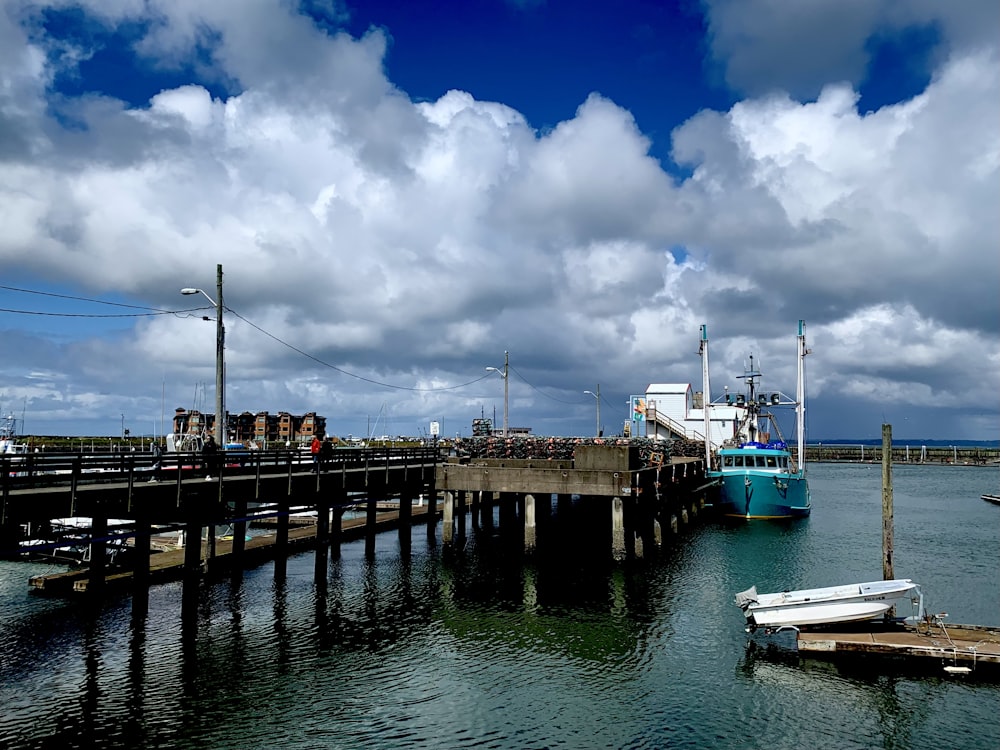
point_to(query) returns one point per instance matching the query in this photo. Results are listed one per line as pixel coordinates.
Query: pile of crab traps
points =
(531, 447)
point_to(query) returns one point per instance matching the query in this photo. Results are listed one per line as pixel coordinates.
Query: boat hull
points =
(762, 495)
(824, 606)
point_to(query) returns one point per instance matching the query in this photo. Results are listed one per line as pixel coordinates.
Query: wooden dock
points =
(954, 648)
(169, 565)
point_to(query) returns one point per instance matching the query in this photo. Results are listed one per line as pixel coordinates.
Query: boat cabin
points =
(737, 460)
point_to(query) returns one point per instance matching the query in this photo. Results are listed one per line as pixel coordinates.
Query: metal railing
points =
(25, 471)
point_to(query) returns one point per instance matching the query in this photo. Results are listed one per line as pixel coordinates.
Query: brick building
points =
(262, 428)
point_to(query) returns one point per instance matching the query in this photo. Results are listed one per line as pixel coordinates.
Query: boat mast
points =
(800, 396)
(705, 395)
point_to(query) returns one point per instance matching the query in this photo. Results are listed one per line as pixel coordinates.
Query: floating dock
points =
(169, 565)
(957, 649)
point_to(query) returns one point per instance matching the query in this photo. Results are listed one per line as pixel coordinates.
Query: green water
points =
(473, 647)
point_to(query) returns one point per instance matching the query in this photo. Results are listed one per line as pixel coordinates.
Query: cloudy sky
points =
(398, 196)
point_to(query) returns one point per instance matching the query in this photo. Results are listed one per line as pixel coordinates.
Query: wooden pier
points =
(643, 498)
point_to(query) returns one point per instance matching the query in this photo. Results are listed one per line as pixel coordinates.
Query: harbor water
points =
(473, 646)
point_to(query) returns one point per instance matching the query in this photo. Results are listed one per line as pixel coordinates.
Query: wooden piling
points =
(887, 541)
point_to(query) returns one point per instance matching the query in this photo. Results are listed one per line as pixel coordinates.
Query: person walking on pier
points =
(155, 469)
(325, 452)
(314, 448)
(208, 451)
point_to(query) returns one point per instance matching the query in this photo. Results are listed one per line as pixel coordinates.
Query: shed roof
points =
(668, 388)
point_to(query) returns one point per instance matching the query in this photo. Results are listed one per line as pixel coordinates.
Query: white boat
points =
(854, 602)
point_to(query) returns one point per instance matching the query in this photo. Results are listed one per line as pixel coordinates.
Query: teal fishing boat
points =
(754, 475)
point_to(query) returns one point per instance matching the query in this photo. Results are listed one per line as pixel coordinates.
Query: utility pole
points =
(220, 367)
(506, 389)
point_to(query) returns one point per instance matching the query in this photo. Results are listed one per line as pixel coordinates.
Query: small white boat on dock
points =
(856, 602)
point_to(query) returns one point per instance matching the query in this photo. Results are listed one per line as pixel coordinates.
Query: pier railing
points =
(914, 454)
(24, 471)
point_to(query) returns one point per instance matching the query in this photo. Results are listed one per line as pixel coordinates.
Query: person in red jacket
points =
(314, 449)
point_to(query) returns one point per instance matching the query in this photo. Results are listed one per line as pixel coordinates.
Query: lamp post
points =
(220, 365)
(598, 397)
(506, 390)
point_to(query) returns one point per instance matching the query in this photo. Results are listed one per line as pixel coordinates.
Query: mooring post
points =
(887, 568)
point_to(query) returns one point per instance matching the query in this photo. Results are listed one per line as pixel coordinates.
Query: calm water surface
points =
(474, 648)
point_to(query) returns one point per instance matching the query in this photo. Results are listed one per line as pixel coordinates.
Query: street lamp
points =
(220, 365)
(598, 397)
(506, 389)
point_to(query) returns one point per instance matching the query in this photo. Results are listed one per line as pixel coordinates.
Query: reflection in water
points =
(282, 638)
(135, 704)
(90, 696)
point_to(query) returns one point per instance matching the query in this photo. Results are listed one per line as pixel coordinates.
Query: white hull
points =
(823, 606)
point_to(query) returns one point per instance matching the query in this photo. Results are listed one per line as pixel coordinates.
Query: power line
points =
(153, 311)
(319, 361)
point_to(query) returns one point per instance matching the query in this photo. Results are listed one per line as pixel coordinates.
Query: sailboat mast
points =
(800, 396)
(706, 399)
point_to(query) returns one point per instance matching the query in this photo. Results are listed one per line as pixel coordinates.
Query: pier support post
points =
(239, 530)
(673, 523)
(657, 534)
(322, 522)
(336, 529)
(371, 527)
(281, 528)
(617, 529)
(460, 502)
(405, 519)
(98, 550)
(447, 525)
(487, 502)
(432, 507)
(142, 550)
(192, 548)
(530, 528)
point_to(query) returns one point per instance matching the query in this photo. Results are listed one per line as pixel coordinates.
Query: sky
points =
(400, 193)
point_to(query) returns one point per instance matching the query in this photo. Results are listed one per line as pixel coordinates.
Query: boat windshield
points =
(774, 463)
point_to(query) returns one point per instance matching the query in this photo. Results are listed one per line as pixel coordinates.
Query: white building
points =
(672, 410)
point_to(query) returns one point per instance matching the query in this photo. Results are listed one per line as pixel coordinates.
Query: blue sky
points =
(399, 195)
